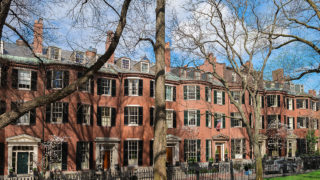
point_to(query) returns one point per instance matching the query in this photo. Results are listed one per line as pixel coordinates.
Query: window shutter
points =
(125, 115)
(151, 110)
(223, 98)
(113, 116)
(140, 151)
(278, 98)
(199, 150)
(215, 120)
(99, 88)
(174, 119)
(232, 115)
(207, 150)
(14, 78)
(126, 87)
(91, 161)
(65, 112)
(48, 113)
(151, 88)
(250, 119)
(2, 107)
(79, 113)
(244, 148)
(78, 155)
(125, 153)
(34, 76)
(233, 148)
(65, 78)
(307, 103)
(64, 156)
(268, 120)
(243, 98)
(268, 101)
(151, 152)
(99, 116)
(284, 101)
(185, 92)
(285, 120)
(49, 79)
(91, 115)
(207, 118)
(250, 99)
(33, 117)
(279, 118)
(140, 115)
(307, 122)
(185, 149)
(287, 103)
(198, 117)
(185, 118)
(114, 88)
(174, 93)
(2, 158)
(206, 94)
(223, 121)
(92, 85)
(198, 92)
(262, 101)
(4, 71)
(215, 101)
(292, 104)
(140, 87)
(262, 122)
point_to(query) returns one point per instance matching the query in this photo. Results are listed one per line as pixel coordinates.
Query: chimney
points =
(38, 36)
(277, 75)
(110, 35)
(312, 92)
(167, 57)
(211, 58)
(91, 53)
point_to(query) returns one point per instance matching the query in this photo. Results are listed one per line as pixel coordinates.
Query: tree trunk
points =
(160, 131)
(259, 169)
(4, 9)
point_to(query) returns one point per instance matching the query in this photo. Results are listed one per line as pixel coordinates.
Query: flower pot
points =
(226, 157)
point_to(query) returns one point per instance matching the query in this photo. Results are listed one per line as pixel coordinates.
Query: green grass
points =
(312, 175)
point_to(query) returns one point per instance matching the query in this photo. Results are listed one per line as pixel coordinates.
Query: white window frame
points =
(237, 117)
(106, 91)
(304, 123)
(86, 112)
(132, 122)
(290, 123)
(85, 150)
(122, 63)
(105, 117)
(53, 79)
(147, 70)
(27, 119)
(189, 92)
(315, 124)
(304, 104)
(192, 152)
(169, 118)
(133, 152)
(274, 99)
(235, 94)
(190, 112)
(209, 119)
(56, 114)
(170, 94)
(238, 154)
(276, 123)
(131, 82)
(209, 94)
(234, 77)
(219, 98)
(27, 81)
(290, 103)
(56, 157)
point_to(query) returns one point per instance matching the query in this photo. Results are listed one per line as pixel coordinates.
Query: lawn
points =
(311, 175)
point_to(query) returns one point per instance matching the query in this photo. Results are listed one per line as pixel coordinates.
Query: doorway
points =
(170, 155)
(22, 163)
(219, 154)
(107, 160)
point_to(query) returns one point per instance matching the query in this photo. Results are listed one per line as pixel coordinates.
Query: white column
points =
(176, 150)
(9, 157)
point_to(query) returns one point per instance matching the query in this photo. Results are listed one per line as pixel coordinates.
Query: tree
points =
(233, 30)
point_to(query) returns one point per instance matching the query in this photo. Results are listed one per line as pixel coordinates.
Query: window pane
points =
(133, 115)
(24, 79)
(57, 112)
(57, 79)
(105, 116)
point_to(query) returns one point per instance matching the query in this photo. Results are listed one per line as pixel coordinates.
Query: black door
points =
(22, 164)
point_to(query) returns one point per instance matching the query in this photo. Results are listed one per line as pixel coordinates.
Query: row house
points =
(108, 122)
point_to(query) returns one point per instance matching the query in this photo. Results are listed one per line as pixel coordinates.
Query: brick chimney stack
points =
(91, 53)
(38, 36)
(211, 58)
(167, 57)
(312, 92)
(110, 35)
(277, 75)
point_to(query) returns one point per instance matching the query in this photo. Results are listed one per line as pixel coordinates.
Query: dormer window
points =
(144, 67)
(197, 75)
(234, 77)
(125, 64)
(54, 53)
(79, 57)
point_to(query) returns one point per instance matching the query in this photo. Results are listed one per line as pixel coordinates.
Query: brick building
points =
(108, 122)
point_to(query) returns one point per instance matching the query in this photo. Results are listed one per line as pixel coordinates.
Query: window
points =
(169, 93)
(54, 53)
(315, 123)
(313, 106)
(219, 119)
(86, 112)
(79, 56)
(144, 67)
(24, 79)
(208, 149)
(236, 96)
(106, 116)
(238, 148)
(208, 94)
(24, 119)
(84, 153)
(302, 103)
(236, 120)
(86, 87)
(290, 104)
(55, 154)
(208, 119)
(191, 92)
(261, 122)
(197, 75)
(125, 64)
(192, 117)
(302, 122)
(105, 86)
(273, 100)
(57, 112)
(133, 115)
(132, 152)
(273, 121)
(26, 150)
(152, 88)
(219, 97)
(169, 118)
(57, 79)
(192, 149)
(209, 77)
(234, 77)
(133, 87)
(290, 122)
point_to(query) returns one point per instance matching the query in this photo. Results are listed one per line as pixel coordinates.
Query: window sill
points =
(55, 122)
(24, 124)
(24, 89)
(133, 125)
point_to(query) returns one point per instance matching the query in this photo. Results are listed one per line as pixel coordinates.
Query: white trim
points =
(132, 139)
(146, 64)
(133, 78)
(133, 105)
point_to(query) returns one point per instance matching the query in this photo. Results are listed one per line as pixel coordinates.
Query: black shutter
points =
(223, 98)
(91, 161)
(99, 116)
(2, 158)
(288, 103)
(279, 118)
(284, 101)
(207, 118)
(140, 115)
(79, 113)
(78, 155)
(292, 104)
(268, 120)
(199, 150)
(126, 87)
(151, 110)
(2, 107)
(48, 113)
(126, 115)
(65, 78)
(207, 150)
(140, 152)
(174, 93)
(91, 115)
(151, 88)
(174, 119)
(99, 88)
(198, 117)
(140, 87)
(269, 101)
(250, 119)
(113, 116)
(250, 99)
(232, 97)
(64, 156)
(262, 122)
(65, 112)
(14, 78)
(243, 98)
(92, 85)
(262, 101)
(151, 152)
(307, 103)
(4, 76)
(185, 149)
(198, 92)
(307, 122)
(125, 153)
(232, 149)
(278, 98)
(49, 79)
(34, 77)
(285, 120)
(32, 117)
(215, 97)
(244, 149)
(232, 122)
(294, 123)
(185, 92)
(224, 121)
(215, 123)
(114, 88)
(185, 118)
(207, 93)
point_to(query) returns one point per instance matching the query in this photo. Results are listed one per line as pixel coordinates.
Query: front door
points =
(106, 160)
(169, 155)
(219, 152)
(22, 164)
